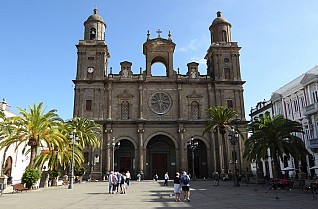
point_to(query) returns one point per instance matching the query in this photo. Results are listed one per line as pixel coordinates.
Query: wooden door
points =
(159, 164)
(124, 164)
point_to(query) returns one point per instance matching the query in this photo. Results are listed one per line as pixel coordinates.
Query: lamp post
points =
(113, 146)
(73, 137)
(233, 138)
(193, 145)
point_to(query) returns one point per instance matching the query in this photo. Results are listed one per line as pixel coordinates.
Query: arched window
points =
(223, 37)
(195, 110)
(227, 73)
(158, 69)
(92, 34)
(125, 110)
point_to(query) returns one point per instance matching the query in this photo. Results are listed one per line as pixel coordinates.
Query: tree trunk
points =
(224, 154)
(33, 154)
(275, 167)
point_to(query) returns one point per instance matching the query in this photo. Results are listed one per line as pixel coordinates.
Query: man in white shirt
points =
(166, 179)
(128, 177)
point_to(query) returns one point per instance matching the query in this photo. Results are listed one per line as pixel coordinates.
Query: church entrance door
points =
(159, 162)
(160, 157)
(124, 164)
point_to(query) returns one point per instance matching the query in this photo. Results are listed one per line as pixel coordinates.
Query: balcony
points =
(311, 109)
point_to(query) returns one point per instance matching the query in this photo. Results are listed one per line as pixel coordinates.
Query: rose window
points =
(160, 103)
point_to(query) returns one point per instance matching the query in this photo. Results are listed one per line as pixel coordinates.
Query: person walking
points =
(138, 177)
(155, 178)
(177, 186)
(114, 182)
(185, 180)
(216, 179)
(123, 183)
(166, 179)
(110, 182)
(118, 180)
(128, 177)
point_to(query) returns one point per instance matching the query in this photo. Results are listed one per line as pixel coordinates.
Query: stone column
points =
(182, 150)
(109, 88)
(179, 101)
(140, 102)
(141, 151)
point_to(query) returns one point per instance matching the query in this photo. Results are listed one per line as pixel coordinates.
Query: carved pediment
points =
(308, 78)
(275, 97)
(125, 95)
(194, 95)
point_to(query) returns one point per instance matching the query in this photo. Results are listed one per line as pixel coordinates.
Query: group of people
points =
(118, 182)
(182, 182)
(282, 184)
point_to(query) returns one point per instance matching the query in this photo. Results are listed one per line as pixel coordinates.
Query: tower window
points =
(223, 37)
(227, 73)
(89, 105)
(229, 103)
(93, 34)
(91, 58)
(125, 110)
(195, 110)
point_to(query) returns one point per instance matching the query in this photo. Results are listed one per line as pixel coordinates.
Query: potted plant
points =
(30, 176)
(54, 174)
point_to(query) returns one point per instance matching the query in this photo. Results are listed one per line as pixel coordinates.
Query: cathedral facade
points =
(148, 121)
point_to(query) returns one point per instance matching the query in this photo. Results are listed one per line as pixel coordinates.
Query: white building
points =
(13, 163)
(265, 168)
(297, 101)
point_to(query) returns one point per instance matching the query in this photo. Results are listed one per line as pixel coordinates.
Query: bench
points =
(19, 188)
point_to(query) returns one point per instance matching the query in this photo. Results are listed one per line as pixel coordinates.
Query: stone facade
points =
(155, 117)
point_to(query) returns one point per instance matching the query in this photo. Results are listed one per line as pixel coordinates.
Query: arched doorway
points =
(125, 157)
(7, 169)
(200, 160)
(161, 157)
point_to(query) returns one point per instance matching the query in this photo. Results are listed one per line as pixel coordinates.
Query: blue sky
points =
(38, 54)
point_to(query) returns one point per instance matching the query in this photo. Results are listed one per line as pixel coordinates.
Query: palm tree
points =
(58, 155)
(88, 131)
(278, 135)
(89, 135)
(221, 118)
(34, 128)
(2, 115)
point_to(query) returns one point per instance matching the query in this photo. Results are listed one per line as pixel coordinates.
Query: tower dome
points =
(219, 19)
(94, 27)
(95, 17)
(220, 29)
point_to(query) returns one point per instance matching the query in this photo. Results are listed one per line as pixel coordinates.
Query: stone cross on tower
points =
(159, 31)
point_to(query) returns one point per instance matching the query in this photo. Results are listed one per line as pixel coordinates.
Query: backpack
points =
(185, 179)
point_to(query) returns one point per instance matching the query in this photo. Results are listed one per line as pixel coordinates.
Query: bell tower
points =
(92, 62)
(223, 65)
(159, 50)
(92, 52)
(223, 54)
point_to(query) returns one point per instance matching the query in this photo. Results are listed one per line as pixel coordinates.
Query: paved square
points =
(150, 194)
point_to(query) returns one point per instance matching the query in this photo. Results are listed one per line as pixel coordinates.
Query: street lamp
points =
(73, 137)
(114, 147)
(233, 139)
(193, 145)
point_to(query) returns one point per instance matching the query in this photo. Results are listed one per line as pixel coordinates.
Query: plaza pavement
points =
(150, 194)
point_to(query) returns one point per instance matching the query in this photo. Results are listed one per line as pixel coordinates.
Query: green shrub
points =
(54, 173)
(30, 176)
(79, 171)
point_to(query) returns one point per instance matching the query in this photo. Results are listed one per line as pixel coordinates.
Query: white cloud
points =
(199, 60)
(195, 44)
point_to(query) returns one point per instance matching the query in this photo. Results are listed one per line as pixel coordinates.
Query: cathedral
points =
(149, 121)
